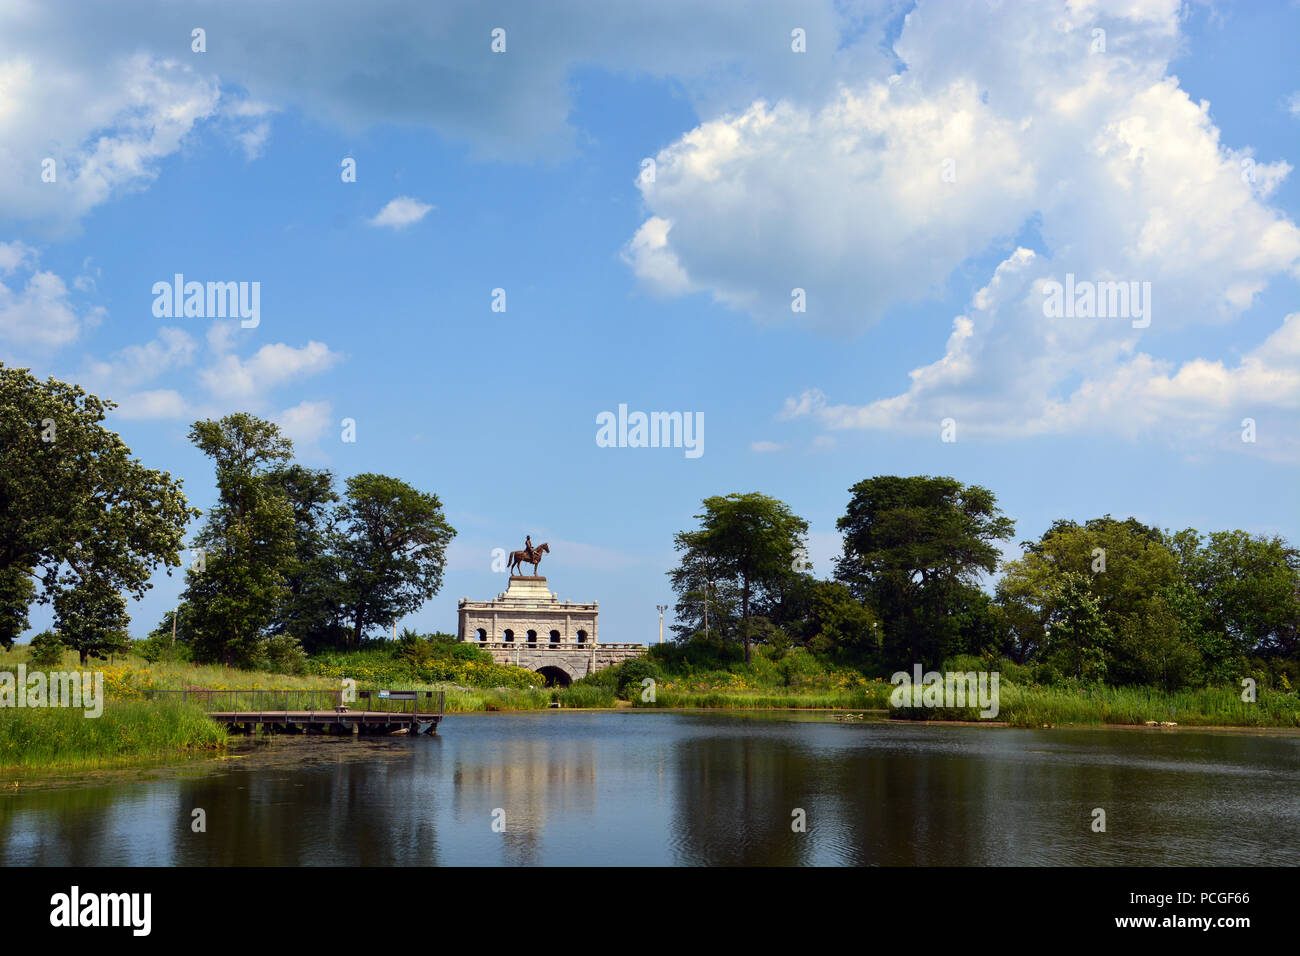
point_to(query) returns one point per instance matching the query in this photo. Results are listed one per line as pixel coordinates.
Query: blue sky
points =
(774, 170)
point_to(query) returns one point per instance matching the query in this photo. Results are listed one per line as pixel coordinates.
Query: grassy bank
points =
(135, 728)
(1206, 707)
(127, 732)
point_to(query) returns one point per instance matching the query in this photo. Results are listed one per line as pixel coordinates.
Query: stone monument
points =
(528, 626)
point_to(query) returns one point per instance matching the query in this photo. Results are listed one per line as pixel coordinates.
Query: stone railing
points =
(567, 645)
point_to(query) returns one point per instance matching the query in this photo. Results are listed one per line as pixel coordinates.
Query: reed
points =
(126, 732)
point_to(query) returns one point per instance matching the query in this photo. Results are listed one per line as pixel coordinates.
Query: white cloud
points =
(36, 311)
(1119, 172)
(226, 380)
(104, 122)
(163, 403)
(121, 91)
(761, 447)
(400, 213)
(306, 423)
(136, 364)
(233, 378)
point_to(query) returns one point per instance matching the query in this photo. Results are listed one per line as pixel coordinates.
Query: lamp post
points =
(662, 608)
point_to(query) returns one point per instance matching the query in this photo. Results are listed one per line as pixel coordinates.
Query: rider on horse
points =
(528, 547)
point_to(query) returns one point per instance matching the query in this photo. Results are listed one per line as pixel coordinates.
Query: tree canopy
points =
(78, 514)
(749, 541)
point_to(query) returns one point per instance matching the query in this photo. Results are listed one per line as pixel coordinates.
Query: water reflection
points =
(700, 789)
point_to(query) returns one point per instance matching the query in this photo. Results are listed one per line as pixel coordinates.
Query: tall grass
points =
(864, 699)
(126, 732)
(1205, 707)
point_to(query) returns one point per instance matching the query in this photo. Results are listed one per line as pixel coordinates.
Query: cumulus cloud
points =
(233, 378)
(161, 403)
(400, 212)
(210, 377)
(111, 98)
(306, 423)
(1114, 171)
(78, 132)
(36, 310)
(130, 367)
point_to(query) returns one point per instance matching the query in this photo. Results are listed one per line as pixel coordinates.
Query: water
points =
(647, 788)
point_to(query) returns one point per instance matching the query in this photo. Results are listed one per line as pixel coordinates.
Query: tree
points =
(246, 544)
(17, 592)
(76, 510)
(750, 540)
(92, 618)
(1250, 587)
(1078, 639)
(1126, 572)
(840, 624)
(910, 547)
(314, 609)
(707, 601)
(393, 549)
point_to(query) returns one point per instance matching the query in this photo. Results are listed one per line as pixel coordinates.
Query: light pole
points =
(662, 608)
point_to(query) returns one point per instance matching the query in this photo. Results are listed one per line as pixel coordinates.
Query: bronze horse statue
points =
(523, 557)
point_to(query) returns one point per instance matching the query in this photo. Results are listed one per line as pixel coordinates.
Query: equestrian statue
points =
(529, 555)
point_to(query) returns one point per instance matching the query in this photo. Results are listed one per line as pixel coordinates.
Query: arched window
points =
(509, 636)
(532, 637)
(482, 634)
(582, 637)
(555, 637)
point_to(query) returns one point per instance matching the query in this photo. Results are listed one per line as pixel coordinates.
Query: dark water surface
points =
(649, 788)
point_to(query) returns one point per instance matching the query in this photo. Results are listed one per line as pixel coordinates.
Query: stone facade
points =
(528, 626)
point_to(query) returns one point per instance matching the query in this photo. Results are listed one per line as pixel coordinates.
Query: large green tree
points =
(393, 549)
(314, 609)
(1249, 586)
(77, 512)
(1126, 565)
(237, 585)
(749, 540)
(913, 546)
(92, 618)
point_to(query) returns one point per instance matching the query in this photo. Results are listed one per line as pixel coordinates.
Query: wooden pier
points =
(320, 712)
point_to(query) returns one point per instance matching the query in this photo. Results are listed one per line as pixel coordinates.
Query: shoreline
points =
(76, 772)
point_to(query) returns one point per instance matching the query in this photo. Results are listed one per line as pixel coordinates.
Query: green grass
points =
(771, 700)
(127, 732)
(1206, 707)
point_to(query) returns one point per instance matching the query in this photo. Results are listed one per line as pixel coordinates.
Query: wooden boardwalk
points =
(283, 711)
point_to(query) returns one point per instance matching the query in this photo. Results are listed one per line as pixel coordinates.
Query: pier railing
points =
(262, 700)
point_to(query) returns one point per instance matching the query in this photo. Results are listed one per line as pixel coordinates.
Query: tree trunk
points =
(744, 616)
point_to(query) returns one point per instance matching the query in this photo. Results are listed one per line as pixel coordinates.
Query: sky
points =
(828, 230)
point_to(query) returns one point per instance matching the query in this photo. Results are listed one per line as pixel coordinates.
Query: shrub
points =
(158, 647)
(632, 673)
(284, 655)
(47, 649)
